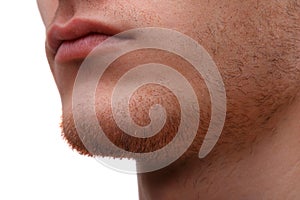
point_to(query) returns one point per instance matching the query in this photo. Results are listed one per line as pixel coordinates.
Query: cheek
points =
(47, 10)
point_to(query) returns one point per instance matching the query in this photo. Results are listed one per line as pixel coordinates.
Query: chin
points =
(89, 142)
(119, 143)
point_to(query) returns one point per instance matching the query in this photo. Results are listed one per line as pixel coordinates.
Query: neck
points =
(268, 168)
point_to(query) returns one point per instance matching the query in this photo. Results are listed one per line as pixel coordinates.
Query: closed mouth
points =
(77, 38)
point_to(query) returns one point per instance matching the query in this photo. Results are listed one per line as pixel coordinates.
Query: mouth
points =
(76, 39)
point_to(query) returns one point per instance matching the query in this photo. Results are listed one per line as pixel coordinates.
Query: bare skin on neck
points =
(268, 167)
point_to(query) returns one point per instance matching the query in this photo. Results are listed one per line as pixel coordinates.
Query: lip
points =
(77, 38)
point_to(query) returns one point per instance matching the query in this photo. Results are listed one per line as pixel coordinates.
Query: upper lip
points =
(75, 29)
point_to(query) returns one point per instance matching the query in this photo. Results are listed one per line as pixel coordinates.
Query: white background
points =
(35, 163)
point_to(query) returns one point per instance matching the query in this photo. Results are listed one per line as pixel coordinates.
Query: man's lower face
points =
(253, 46)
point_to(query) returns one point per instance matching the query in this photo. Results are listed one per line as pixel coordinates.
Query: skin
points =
(256, 46)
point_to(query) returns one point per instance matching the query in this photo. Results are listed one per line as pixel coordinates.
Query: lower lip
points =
(78, 49)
